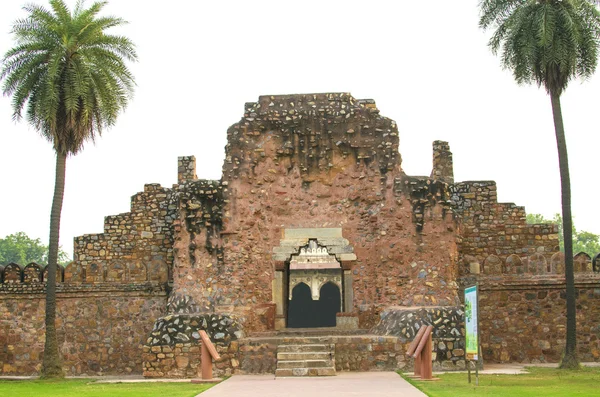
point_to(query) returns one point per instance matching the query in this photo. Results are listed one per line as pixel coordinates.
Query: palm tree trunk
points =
(52, 363)
(570, 356)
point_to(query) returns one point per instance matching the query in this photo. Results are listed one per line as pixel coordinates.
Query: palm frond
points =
(67, 72)
(547, 42)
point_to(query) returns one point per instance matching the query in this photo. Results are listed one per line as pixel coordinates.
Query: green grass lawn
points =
(88, 388)
(540, 382)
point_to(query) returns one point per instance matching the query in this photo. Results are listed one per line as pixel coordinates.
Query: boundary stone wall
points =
(523, 318)
(101, 328)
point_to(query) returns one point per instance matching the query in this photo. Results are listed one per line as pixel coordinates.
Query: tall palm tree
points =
(549, 42)
(71, 77)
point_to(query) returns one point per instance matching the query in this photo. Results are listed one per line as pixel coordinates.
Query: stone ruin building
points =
(314, 236)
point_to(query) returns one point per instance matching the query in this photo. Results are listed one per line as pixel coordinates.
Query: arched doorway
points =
(300, 308)
(305, 312)
(328, 305)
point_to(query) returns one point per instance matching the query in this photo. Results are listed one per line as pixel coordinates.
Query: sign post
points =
(472, 330)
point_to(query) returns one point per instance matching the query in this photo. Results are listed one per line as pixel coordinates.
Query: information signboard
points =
(471, 324)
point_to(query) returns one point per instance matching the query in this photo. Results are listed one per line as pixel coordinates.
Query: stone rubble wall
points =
(447, 337)
(523, 317)
(443, 165)
(172, 349)
(315, 161)
(101, 328)
(369, 353)
(487, 227)
(130, 240)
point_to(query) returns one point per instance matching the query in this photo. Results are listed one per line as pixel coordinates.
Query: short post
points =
(413, 346)
(207, 353)
(426, 366)
(418, 366)
(424, 350)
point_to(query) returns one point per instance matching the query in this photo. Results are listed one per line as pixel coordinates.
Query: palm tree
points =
(71, 78)
(549, 42)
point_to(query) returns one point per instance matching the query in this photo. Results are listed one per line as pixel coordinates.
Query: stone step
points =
(327, 371)
(281, 364)
(304, 348)
(309, 332)
(303, 356)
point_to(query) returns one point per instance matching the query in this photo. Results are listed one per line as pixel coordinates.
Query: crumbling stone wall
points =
(487, 227)
(443, 165)
(131, 241)
(315, 161)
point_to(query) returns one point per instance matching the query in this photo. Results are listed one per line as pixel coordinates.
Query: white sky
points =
(425, 63)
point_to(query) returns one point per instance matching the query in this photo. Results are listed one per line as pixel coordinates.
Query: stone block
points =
(312, 233)
(182, 361)
(347, 257)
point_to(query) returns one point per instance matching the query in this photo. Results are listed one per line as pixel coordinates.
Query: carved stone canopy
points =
(328, 246)
(313, 257)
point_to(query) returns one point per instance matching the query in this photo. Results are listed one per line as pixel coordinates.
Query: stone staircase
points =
(305, 357)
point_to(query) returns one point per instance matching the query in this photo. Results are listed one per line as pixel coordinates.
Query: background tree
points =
(20, 248)
(582, 241)
(71, 77)
(549, 42)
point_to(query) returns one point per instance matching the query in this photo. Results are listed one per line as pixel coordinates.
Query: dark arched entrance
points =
(304, 312)
(301, 307)
(328, 305)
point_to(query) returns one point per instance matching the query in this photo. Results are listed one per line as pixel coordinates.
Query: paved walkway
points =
(372, 384)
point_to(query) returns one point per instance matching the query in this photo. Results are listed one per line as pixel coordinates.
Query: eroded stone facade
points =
(312, 192)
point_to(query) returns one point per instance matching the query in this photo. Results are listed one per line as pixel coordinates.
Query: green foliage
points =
(582, 241)
(68, 73)
(20, 248)
(547, 42)
(87, 388)
(533, 219)
(546, 382)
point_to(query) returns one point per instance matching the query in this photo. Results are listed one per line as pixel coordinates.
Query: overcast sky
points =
(425, 63)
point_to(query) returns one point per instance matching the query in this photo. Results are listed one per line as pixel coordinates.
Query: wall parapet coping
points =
(539, 282)
(151, 288)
